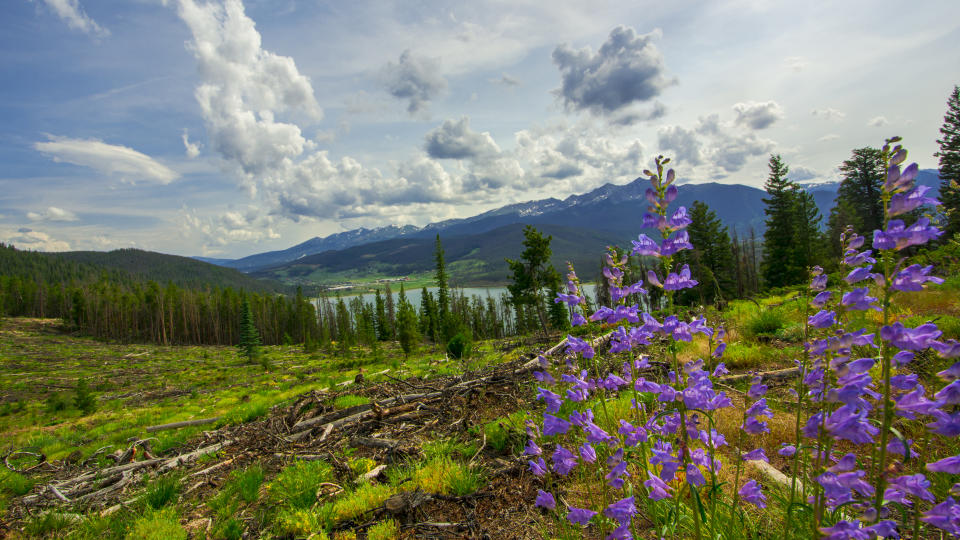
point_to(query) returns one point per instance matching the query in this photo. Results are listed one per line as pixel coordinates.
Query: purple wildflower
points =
(949, 394)
(751, 493)
(538, 467)
(945, 515)
(756, 455)
(580, 516)
(902, 203)
(531, 449)
(948, 349)
(913, 278)
(552, 400)
(845, 530)
(821, 299)
(563, 461)
(675, 282)
(546, 500)
(621, 510)
(949, 465)
(819, 282)
(822, 319)
(945, 424)
(577, 319)
(787, 450)
(859, 300)
(645, 245)
(914, 484)
(658, 488)
(915, 339)
(587, 453)
(553, 425)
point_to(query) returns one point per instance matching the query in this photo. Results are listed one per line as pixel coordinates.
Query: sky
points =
(224, 128)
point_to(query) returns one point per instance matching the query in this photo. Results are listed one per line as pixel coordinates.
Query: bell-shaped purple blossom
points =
(949, 394)
(577, 319)
(621, 510)
(858, 299)
(679, 219)
(754, 427)
(852, 424)
(531, 449)
(676, 282)
(576, 345)
(901, 203)
(856, 258)
(945, 516)
(553, 425)
(678, 242)
(950, 374)
(913, 278)
(913, 484)
(658, 488)
(912, 339)
(823, 319)
(563, 460)
(545, 500)
(538, 467)
(580, 516)
(616, 474)
(751, 493)
(819, 282)
(552, 400)
(947, 349)
(694, 476)
(906, 381)
(821, 299)
(950, 465)
(945, 424)
(587, 453)
(644, 245)
(787, 450)
(757, 454)
(898, 236)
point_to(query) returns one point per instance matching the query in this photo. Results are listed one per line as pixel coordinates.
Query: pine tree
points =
(711, 258)
(407, 332)
(532, 273)
(949, 155)
(858, 202)
(391, 314)
(808, 239)
(444, 320)
(777, 267)
(249, 337)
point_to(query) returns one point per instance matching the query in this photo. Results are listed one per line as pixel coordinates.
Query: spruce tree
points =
(249, 337)
(407, 332)
(808, 239)
(858, 202)
(711, 258)
(777, 268)
(532, 273)
(949, 155)
(391, 314)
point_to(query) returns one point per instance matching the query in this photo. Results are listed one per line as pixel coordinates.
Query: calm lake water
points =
(414, 295)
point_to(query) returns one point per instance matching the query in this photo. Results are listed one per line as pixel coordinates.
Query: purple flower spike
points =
(950, 465)
(563, 461)
(751, 493)
(915, 339)
(545, 500)
(580, 516)
(552, 400)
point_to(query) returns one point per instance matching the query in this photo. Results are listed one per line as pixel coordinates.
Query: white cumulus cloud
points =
(758, 115)
(111, 159)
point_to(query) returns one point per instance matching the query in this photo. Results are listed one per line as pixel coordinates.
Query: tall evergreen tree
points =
(711, 257)
(776, 266)
(391, 313)
(532, 273)
(249, 337)
(808, 239)
(444, 316)
(407, 332)
(949, 155)
(858, 202)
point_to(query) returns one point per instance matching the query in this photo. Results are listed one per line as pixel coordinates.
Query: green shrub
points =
(84, 399)
(349, 400)
(460, 345)
(15, 484)
(49, 523)
(385, 530)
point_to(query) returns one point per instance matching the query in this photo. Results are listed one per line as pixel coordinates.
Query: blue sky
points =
(225, 128)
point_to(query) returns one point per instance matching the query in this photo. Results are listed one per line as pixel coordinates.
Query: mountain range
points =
(581, 225)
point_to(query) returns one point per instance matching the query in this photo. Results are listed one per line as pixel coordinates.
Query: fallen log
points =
(186, 423)
(369, 442)
(175, 462)
(776, 375)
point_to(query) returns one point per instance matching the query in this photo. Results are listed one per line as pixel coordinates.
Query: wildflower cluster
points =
(643, 433)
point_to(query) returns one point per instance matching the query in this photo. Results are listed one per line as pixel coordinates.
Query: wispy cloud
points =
(52, 213)
(71, 12)
(115, 160)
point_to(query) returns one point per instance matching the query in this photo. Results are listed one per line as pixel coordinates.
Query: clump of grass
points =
(15, 484)
(49, 524)
(449, 448)
(755, 355)
(157, 525)
(299, 523)
(162, 491)
(764, 325)
(446, 476)
(360, 500)
(507, 434)
(349, 400)
(384, 530)
(296, 486)
(246, 483)
(84, 399)
(248, 412)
